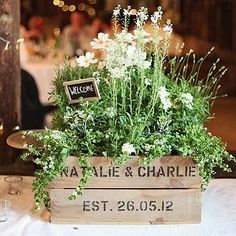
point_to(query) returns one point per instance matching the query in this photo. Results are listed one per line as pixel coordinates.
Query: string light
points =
(92, 1)
(65, 8)
(91, 11)
(61, 4)
(56, 31)
(81, 6)
(72, 8)
(56, 2)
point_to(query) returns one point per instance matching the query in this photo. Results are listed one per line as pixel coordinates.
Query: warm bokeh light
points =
(91, 11)
(72, 8)
(56, 2)
(56, 31)
(61, 4)
(81, 6)
(133, 12)
(92, 1)
(65, 8)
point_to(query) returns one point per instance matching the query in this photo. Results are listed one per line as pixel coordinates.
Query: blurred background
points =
(54, 30)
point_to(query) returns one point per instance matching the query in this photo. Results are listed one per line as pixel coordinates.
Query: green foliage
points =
(150, 106)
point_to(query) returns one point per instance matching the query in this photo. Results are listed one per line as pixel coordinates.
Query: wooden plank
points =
(165, 172)
(127, 206)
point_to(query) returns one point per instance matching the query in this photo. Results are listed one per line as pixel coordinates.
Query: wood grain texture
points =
(9, 75)
(127, 206)
(165, 172)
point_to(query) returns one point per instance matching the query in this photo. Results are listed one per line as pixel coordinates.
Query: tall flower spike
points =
(141, 16)
(127, 11)
(127, 14)
(115, 18)
(116, 11)
(157, 16)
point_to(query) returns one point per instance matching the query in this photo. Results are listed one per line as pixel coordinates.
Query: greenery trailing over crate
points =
(151, 106)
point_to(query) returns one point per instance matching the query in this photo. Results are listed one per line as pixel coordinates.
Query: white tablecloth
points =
(218, 217)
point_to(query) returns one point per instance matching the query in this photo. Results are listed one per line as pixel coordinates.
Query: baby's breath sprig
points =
(127, 14)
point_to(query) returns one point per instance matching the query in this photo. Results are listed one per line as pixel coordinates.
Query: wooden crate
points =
(167, 191)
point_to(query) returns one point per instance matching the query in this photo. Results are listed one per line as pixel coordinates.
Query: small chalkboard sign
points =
(83, 88)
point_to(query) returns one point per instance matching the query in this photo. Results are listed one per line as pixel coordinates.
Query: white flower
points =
(141, 35)
(135, 56)
(164, 96)
(147, 81)
(85, 61)
(56, 134)
(187, 100)
(148, 147)
(117, 72)
(159, 142)
(131, 51)
(141, 16)
(124, 37)
(157, 16)
(168, 27)
(128, 148)
(101, 42)
(116, 11)
(127, 11)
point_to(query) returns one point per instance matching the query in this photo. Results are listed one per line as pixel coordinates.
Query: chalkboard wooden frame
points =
(78, 82)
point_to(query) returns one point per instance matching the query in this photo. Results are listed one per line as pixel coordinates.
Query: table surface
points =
(218, 216)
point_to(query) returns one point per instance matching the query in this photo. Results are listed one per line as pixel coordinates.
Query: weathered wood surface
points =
(127, 206)
(9, 75)
(165, 172)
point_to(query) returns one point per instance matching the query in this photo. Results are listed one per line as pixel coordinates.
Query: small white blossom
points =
(164, 96)
(168, 27)
(148, 147)
(124, 37)
(85, 61)
(101, 42)
(127, 11)
(157, 16)
(128, 148)
(141, 35)
(141, 16)
(147, 81)
(187, 100)
(96, 74)
(135, 56)
(116, 11)
(56, 134)
(117, 72)
(159, 142)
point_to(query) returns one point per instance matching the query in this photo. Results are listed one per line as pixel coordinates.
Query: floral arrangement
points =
(151, 105)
